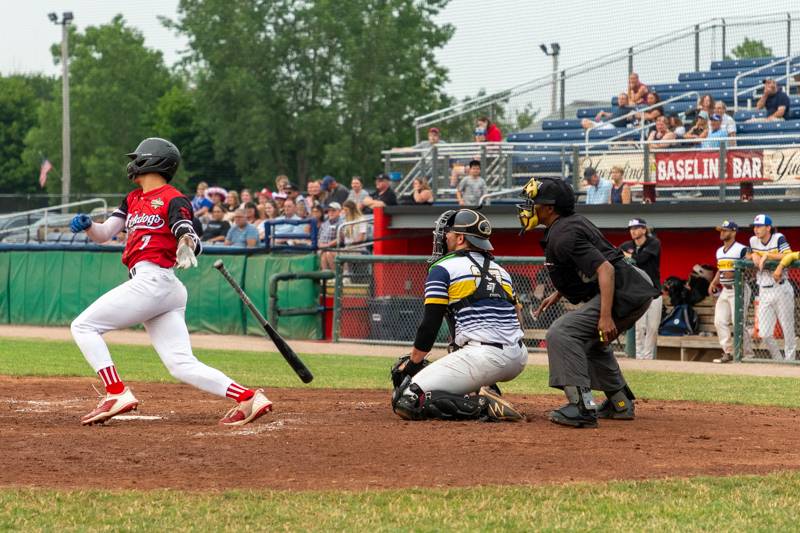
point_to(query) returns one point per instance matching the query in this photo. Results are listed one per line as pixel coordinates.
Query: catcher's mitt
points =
(405, 367)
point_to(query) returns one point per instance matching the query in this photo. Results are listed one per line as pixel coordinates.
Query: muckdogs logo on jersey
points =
(142, 221)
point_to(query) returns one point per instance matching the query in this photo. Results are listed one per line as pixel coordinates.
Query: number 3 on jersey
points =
(145, 240)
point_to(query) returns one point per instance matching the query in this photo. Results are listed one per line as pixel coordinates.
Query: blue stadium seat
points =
(678, 107)
(768, 127)
(591, 112)
(704, 85)
(753, 140)
(730, 73)
(747, 114)
(747, 63)
(539, 163)
(567, 124)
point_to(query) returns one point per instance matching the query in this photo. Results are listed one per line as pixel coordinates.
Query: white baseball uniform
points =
(724, 309)
(775, 300)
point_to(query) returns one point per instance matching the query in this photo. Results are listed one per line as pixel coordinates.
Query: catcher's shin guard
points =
(418, 405)
(618, 405)
(580, 412)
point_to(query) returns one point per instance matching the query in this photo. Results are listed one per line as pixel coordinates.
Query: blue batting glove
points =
(80, 222)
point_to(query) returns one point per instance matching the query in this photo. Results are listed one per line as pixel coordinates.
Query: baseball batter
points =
(476, 296)
(775, 296)
(158, 220)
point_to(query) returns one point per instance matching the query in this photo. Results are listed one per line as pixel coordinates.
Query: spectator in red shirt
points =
(637, 91)
(492, 133)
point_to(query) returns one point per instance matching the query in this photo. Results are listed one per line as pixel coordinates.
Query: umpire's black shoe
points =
(571, 415)
(618, 406)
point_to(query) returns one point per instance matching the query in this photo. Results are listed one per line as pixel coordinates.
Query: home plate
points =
(138, 417)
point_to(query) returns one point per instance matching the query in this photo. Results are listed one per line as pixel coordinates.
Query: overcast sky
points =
(496, 44)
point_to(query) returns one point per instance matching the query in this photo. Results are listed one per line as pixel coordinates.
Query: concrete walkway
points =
(260, 344)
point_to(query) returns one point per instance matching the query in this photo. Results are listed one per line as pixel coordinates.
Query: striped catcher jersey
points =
(455, 277)
(776, 243)
(726, 260)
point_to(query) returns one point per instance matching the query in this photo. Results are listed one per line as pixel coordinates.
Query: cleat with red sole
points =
(247, 411)
(110, 406)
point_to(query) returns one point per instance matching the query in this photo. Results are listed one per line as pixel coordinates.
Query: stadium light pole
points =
(555, 49)
(66, 174)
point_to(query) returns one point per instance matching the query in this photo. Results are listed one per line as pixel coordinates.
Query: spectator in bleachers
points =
(271, 210)
(336, 192)
(264, 195)
(650, 116)
(245, 197)
(231, 204)
(724, 314)
(491, 132)
(472, 187)
(200, 203)
(598, 191)
(357, 192)
(302, 210)
(356, 233)
(715, 133)
(661, 134)
(314, 194)
(384, 194)
(422, 193)
(637, 91)
(699, 129)
(774, 100)
(704, 104)
(620, 191)
(241, 232)
(645, 249)
(217, 228)
(728, 122)
(317, 216)
(279, 198)
(292, 191)
(251, 212)
(675, 125)
(289, 213)
(217, 195)
(327, 236)
(434, 138)
(619, 118)
(280, 182)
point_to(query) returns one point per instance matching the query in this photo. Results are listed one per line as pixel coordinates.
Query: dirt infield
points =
(329, 439)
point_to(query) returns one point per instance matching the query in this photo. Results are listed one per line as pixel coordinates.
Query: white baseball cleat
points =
(248, 410)
(110, 406)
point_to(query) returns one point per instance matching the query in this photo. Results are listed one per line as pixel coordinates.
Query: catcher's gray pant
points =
(777, 302)
(576, 355)
(157, 298)
(472, 367)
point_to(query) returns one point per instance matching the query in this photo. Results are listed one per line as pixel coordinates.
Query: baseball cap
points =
(279, 196)
(433, 130)
(727, 224)
(264, 192)
(762, 220)
(290, 186)
(637, 223)
(326, 182)
(703, 114)
(335, 205)
(589, 172)
(382, 177)
(716, 117)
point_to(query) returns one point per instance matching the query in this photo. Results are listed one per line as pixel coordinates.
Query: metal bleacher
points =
(559, 136)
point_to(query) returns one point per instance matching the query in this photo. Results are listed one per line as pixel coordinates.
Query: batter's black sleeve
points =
(122, 210)
(429, 328)
(180, 221)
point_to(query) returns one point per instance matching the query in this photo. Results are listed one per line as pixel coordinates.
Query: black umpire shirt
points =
(647, 257)
(575, 249)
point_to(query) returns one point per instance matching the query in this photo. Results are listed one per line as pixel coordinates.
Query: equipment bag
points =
(682, 320)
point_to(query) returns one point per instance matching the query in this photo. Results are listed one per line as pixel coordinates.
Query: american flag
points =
(47, 166)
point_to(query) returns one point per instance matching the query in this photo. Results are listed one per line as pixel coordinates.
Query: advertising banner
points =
(682, 169)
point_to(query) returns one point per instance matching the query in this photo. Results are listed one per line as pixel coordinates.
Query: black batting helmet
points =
(154, 155)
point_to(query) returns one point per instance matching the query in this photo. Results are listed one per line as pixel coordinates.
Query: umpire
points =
(584, 267)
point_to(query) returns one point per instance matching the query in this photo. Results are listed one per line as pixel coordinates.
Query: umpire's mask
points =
(544, 191)
(443, 224)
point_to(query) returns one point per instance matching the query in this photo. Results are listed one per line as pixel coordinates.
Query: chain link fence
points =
(380, 298)
(766, 313)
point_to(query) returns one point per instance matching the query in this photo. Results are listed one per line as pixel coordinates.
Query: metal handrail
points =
(45, 210)
(496, 194)
(366, 219)
(633, 113)
(788, 60)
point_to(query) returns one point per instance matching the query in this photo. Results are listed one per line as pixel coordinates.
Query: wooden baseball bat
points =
(286, 351)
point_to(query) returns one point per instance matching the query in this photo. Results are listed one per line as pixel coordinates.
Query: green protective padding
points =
(5, 265)
(299, 293)
(213, 306)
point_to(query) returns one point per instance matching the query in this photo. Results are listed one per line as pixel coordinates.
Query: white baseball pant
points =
(647, 330)
(724, 321)
(472, 367)
(777, 302)
(155, 297)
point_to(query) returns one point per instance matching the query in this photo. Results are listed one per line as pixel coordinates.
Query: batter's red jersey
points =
(153, 220)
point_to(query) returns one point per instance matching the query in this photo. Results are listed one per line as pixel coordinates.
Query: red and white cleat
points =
(247, 411)
(110, 406)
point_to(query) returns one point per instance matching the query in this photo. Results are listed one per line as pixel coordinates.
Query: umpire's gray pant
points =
(576, 355)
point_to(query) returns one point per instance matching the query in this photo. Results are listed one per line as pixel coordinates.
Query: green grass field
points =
(757, 503)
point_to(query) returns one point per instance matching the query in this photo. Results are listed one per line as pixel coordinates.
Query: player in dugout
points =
(584, 268)
(475, 295)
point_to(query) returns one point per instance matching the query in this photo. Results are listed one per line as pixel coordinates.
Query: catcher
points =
(476, 296)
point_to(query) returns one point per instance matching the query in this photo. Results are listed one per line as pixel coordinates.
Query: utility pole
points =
(66, 173)
(555, 49)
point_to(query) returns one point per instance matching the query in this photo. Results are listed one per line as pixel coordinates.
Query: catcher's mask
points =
(544, 191)
(473, 225)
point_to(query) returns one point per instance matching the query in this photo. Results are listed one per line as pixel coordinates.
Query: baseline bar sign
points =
(681, 169)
